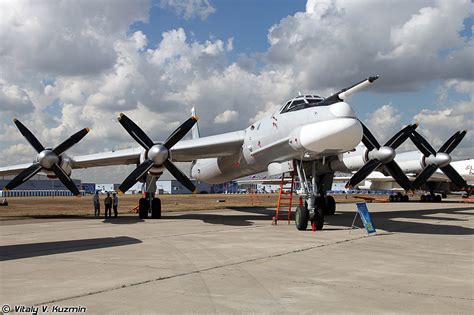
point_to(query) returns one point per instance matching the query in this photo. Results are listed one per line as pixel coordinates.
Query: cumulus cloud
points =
(189, 8)
(226, 117)
(439, 124)
(384, 122)
(14, 99)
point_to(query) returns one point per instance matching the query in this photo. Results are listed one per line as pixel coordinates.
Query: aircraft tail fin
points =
(195, 130)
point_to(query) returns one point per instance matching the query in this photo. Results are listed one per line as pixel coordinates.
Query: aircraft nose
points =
(336, 135)
(342, 109)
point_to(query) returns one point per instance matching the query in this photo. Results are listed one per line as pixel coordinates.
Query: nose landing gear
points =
(313, 206)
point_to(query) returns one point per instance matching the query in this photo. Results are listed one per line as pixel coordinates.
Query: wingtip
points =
(88, 129)
(196, 191)
(195, 117)
(15, 120)
(120, 192)
(120, 116)
(6, 189)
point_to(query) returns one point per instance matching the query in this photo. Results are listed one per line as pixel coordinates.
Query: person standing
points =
(108, 206)
(96, 201)
(115, 204)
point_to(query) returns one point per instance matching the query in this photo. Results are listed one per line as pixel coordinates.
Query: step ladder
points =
(285, 198)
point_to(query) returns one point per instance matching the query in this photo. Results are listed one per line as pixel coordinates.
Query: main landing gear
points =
(314, 205)
(431, 197)
(147, 203)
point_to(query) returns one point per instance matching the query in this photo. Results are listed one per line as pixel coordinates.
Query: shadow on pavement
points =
(407, 221)
(12, 252)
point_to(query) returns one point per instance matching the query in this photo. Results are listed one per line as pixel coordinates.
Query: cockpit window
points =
(301, 102)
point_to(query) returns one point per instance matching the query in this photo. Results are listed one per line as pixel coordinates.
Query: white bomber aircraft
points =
(309, 132)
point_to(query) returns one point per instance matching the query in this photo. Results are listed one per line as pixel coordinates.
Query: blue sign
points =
(366, 218)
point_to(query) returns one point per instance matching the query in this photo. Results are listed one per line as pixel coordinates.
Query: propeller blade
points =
(424, 175)
(29, 136)
(453, 142)
(422, 144)
(368, 139)
(183, 179)
(180, 132)
(365, 170)
(23, 176)
(136, 132)
(394, 169)
(454, 176)
(65, 179)
(72, 140)
(135, 175)
(400, 136)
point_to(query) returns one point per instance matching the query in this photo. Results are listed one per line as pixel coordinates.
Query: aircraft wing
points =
(184, 151)
(119, 157)
(13, 169)
(208, 147)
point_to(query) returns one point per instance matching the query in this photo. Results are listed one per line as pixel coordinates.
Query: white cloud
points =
(14, 99)
(384, 122)
(226, 117)
(189, 8)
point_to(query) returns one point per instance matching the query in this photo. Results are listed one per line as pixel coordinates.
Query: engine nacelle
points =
(208, 171)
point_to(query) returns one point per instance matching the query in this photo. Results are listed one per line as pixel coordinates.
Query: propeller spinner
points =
(47, 159)
(441, 159)
(157, 153)
(378, 155)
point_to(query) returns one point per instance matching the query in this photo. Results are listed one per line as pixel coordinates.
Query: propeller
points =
(377, 156)
(441, 159)
(157, 154)
(47, 158)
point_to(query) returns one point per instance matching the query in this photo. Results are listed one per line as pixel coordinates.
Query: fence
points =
(37, 193)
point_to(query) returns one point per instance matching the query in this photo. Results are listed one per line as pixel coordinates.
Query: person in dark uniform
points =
(115, 203)
(108, 205)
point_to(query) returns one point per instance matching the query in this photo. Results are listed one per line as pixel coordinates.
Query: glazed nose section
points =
(342, 110)
(336, 135)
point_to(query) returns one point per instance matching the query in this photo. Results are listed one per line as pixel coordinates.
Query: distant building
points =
(38, 185)
(172, 186)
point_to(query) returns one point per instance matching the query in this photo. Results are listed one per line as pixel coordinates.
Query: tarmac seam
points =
(130, 285)
(387, 290)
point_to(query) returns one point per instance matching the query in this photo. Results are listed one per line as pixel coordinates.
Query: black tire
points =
(423, 198)
(429, 198)
(396, 198)
(405, 198)
(391, 198)
(301, 218)
(330, 206)
(437, 198)
(318, 218)
(143, 207)
(156, 208)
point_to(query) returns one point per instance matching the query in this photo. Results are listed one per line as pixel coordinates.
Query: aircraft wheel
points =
(318, 218)
(156, 208)
(301, 218)
(437, 198)
(429, 198)
(405, 198)
(143, 206)
(423, 198)
(330, 206)
(391, 198)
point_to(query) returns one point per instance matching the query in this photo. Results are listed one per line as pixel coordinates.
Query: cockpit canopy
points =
(301, 102)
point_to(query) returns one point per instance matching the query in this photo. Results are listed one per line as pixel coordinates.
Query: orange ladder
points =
(285, 196)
